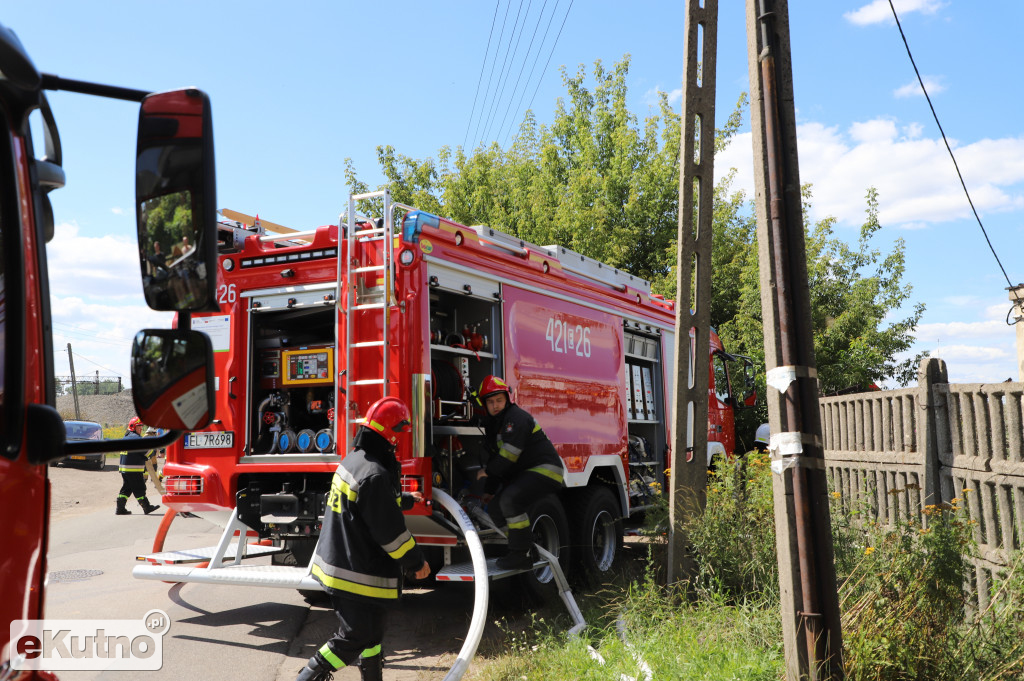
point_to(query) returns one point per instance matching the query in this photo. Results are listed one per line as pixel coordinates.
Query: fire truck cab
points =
(315, 326)
(171, 369)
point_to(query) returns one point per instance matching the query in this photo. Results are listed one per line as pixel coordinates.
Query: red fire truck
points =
(315, 326)
(171, 369)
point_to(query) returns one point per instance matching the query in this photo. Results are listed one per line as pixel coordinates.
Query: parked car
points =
(84, 430)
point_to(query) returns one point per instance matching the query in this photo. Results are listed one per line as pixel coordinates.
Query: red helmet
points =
(133, 422)
(388, 417)
(492, 385)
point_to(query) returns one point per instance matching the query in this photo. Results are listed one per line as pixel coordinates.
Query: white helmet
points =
(761, 438)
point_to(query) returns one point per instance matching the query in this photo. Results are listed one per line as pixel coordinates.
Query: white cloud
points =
(652, 96)
(96, 301)
(879, 11)
(117, 210)
(913, 89)
(914, 176)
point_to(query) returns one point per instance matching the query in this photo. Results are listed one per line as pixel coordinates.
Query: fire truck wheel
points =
(597, 532)
(550, 530)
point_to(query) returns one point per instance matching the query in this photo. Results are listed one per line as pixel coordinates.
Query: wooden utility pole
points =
(811, 629)
(74, 386)
(693, 282)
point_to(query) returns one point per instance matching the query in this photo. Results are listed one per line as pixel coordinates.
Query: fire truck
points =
(171, 369)
(314, 326)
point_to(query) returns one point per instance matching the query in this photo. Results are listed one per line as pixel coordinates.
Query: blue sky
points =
(298, 89)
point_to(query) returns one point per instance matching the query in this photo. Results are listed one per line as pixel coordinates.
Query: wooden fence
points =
(895, 451)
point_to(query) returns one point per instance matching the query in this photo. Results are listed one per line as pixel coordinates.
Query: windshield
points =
(83, 431)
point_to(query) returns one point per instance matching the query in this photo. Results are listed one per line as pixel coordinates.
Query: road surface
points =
(219, 632)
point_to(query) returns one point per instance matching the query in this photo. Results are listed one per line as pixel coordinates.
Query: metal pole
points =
(688, 494)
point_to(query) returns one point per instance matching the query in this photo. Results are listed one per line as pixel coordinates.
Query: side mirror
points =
(172, 378)
(175, 196)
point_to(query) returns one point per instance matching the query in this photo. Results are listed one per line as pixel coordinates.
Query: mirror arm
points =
(130, 444)
(52, 82)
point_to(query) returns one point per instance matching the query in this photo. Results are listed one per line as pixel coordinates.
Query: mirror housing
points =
(175, 199)
(172, 378)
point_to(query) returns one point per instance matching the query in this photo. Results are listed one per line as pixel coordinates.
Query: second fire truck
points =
(315, 326)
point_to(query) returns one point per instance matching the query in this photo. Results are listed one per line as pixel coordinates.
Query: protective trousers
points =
(133, 484)
(513, 502)
(360, 632)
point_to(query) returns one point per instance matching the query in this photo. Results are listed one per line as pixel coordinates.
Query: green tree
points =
(602, 184)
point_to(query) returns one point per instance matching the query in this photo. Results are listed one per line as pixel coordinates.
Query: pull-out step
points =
(463, 572)
(207, 553)
(279, 576)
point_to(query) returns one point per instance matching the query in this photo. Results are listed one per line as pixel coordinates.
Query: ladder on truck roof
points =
(371, 251)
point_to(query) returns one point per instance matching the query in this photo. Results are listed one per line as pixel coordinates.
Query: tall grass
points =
(906, 615)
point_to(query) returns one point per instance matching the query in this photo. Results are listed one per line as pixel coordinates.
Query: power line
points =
(116, 373)
(948, 148)
(78, 332)
(521, 68)
(554, 10)
(553, 45)
(480, 79)
(501, 78)
(490, 76)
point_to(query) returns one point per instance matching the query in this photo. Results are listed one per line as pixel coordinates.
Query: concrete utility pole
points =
(1017, 298)
(74, 386)
(811, 629)
(693, 283)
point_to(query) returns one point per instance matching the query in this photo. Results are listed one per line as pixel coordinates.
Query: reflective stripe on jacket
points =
(519, 444)
(364, 543)
(134, 462)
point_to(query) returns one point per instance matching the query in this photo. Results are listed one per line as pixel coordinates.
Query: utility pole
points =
(1017, 298)
(74, 386)
(812, 635)
(689, 480)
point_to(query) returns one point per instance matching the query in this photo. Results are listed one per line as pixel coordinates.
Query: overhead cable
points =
(950, 150)
(481, 78)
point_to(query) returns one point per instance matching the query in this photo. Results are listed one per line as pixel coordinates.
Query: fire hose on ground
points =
(480, 585)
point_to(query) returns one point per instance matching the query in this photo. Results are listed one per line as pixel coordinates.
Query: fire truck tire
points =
(596, 523)
(551, 530)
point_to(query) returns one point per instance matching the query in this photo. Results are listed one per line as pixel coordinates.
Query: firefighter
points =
(364, 545)
(523, 463)
(132, 467)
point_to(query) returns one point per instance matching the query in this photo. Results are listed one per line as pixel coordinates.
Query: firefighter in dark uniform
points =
(364, 545)
(523, 463)
(132, 468)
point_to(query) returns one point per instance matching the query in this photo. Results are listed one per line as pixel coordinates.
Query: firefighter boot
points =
(520, 540)
(372, 668)
(314, 671)
(147, 507)
(121, 510)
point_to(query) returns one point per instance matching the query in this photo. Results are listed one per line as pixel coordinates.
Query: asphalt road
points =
(217, 632)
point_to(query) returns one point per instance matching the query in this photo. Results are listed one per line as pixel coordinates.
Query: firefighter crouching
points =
(523, 460)
(132, 467)
(364, 545)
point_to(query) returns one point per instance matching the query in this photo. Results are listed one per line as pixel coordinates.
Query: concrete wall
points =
(895, 451)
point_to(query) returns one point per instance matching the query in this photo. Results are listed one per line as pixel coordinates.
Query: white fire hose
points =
(480, 585)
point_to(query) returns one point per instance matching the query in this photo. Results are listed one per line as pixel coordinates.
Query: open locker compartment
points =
(465, 348)
(293, 349)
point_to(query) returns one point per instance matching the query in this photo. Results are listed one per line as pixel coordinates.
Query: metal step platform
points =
(463, 572)
(278, 576)
(207, 553)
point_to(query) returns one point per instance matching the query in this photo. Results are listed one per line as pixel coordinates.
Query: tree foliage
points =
(602, 183)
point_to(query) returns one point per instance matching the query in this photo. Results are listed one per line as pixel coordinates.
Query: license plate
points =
(77, 457)
(221, 440)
